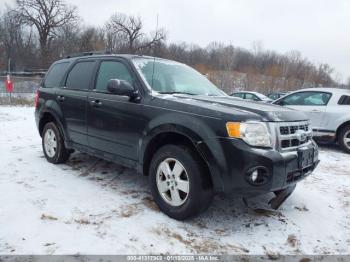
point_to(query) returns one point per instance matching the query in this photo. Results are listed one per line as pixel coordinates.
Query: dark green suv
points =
(170, 123)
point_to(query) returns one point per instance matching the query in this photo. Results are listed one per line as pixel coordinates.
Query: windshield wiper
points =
(177, 92)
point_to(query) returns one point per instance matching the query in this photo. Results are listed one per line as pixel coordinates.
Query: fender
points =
(197, 132)
(53, 109)
(341, 123)
(343, 120)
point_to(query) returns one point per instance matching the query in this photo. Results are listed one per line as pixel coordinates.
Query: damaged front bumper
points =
(248, 172)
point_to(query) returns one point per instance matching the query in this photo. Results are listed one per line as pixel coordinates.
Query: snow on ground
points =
(90, 206)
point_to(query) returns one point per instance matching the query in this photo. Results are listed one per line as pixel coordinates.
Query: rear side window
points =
(111, 70)
(344, 100)
(55, 75)
(80, 76)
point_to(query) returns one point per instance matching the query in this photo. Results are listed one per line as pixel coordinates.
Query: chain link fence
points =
(24, 89)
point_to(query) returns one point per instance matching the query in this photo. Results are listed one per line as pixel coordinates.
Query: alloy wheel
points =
(50, 143)
(172, 182)
(346, 139)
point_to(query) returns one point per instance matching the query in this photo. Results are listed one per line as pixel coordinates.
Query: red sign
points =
(9, 84)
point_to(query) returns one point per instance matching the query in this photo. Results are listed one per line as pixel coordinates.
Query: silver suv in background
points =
(328, 110)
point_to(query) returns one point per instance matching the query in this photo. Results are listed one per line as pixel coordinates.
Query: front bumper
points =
(234, 159)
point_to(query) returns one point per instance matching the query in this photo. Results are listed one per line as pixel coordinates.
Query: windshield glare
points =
(164, 76)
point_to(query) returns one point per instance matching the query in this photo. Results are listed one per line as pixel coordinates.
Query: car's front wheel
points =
(180, 184)
(344, 138)
(53, 144)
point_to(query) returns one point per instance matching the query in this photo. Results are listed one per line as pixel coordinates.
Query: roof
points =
(326, 89)
(88, 55)
(252, 92)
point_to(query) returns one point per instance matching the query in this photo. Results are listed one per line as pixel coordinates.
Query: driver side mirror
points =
(121, 88)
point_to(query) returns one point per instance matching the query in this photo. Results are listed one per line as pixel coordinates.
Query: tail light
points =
(36, 101)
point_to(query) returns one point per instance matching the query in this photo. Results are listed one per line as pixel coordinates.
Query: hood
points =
(232, 105)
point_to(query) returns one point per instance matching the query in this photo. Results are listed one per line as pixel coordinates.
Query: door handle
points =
(96, 103)
(61, 98)
(316, 111)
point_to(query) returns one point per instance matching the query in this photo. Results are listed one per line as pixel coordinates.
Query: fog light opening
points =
(257, 176)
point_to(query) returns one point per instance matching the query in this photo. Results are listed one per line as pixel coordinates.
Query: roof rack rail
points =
(104, 52)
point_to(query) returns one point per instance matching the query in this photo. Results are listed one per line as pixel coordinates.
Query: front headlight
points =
(253, 133)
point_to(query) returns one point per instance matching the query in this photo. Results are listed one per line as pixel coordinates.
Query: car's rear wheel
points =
(179, 181)
(344, 138)
(53, 144)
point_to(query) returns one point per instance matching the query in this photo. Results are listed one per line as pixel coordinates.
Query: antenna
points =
(154, 52)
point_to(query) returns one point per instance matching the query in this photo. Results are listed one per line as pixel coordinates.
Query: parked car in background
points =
(328, 110)
(274, 96)
(255, 96)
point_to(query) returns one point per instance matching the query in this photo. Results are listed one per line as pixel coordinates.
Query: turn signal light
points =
(233, 129)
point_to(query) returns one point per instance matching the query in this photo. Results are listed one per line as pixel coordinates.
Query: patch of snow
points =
(90, 206)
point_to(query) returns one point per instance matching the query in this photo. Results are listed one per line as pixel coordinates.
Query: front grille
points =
(289, 137)
(288, 130)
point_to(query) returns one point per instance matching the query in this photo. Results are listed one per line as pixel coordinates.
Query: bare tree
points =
(47, 16)
(129, 31)
(17, 41)
(91, 39)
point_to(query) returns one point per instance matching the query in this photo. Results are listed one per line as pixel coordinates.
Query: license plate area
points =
(305, 157)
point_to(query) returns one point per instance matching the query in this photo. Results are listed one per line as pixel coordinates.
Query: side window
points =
(80, 76)
(308, 99)
(251, 97)
(271, 96)
(55, 75)
(111, 70)
(240, 95)
(344, 100)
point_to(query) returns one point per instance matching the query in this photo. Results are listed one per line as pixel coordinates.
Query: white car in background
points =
(250, 95)
(328, 110)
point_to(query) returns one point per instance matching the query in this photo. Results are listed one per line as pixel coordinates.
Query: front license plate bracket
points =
(305, 158)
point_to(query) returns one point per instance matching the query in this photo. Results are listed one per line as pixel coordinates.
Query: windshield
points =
(169, 77)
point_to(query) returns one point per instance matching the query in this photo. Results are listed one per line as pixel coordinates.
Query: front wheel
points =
(180, 183)
(344, 138)
(53, 144)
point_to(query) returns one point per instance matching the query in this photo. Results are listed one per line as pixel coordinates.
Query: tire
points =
(170, 192)
(344, 138)
(53, 144)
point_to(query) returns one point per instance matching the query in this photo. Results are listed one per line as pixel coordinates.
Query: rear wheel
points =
(179, 182)
(53, 144)
(344, 138)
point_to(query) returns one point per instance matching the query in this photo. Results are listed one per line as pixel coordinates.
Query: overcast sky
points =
(319, 29)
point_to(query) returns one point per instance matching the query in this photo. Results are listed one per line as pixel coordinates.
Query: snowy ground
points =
(90, 206)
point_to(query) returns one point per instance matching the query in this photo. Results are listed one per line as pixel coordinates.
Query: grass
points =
(18, 101)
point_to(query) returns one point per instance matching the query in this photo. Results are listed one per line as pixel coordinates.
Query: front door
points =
(312, 103)
(115, 123)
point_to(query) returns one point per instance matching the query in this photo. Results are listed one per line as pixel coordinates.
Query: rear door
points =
(72, 99)
(54, 80)
(115, 123)
(313, 103)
